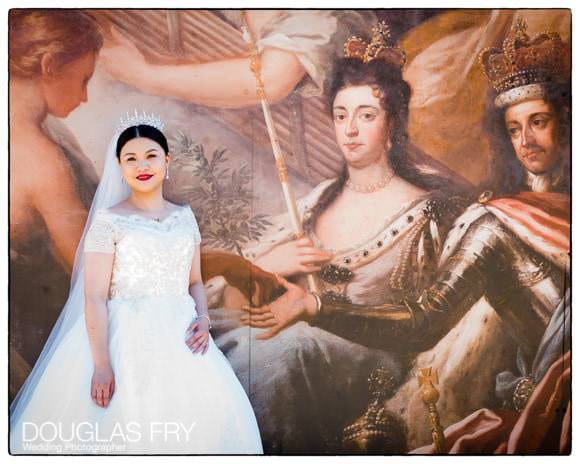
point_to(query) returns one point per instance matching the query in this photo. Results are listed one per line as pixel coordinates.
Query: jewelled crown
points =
(379, 47)
(525, 64)
(136, 119)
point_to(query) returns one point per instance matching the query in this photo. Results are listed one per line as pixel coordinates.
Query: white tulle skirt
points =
(167, 400)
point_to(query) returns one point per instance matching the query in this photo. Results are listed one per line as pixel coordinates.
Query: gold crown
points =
(377, 49)
(525, 61)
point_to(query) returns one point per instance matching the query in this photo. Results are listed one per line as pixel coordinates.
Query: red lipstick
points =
(144, 177)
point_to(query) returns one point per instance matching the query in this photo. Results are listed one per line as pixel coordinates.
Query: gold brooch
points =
(485, 196)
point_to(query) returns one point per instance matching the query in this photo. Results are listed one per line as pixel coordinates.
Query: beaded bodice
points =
(151, 258)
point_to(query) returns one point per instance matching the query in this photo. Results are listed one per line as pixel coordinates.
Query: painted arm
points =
(227, 83)
(401, 326)
(56, 199)
(419, 325)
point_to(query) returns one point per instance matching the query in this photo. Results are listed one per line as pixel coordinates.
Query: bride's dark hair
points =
(141, 130)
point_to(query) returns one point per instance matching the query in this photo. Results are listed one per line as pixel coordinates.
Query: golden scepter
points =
(255, 67)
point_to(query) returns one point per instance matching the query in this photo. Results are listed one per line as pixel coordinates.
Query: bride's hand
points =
(295, 304)
(102, 385)
(297, 256)
(198, 335)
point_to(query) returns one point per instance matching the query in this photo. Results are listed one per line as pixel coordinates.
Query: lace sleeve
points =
(100, 237)
(196, 233)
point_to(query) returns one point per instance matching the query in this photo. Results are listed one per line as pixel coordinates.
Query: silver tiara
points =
(137, 119)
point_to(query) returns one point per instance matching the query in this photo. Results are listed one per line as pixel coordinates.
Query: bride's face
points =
(143, 163)
(360, 125)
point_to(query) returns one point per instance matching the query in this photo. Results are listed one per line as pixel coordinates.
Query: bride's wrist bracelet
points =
(207, 317)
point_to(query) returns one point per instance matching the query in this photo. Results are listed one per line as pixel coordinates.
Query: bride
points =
(130, 366)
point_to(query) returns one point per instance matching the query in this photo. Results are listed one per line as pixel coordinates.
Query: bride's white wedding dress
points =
(166, 399)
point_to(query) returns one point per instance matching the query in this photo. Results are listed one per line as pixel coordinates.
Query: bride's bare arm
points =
(199, 328)
(98, 269)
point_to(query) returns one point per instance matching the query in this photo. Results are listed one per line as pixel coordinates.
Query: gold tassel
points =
(427, 379)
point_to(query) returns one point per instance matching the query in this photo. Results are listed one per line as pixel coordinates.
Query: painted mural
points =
(409, 170)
